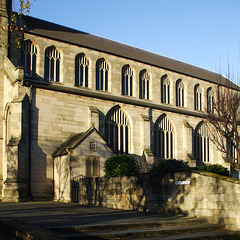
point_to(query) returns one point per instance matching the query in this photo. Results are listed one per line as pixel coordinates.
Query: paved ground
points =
(38, 218)
(47, 214)
(35, 217)
(5, 235)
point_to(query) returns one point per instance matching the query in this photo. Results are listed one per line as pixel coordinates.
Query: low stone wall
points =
(198, 194)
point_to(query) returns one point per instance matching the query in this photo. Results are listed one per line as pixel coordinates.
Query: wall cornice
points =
(110, 97)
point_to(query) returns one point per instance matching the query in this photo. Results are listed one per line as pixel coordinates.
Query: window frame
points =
(102, 75)
(29, 59)
(93, 170)
(144, 84)
(81, 70)
(52, 64)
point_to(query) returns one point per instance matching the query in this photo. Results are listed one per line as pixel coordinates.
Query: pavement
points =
(37, 220)
(33, 219)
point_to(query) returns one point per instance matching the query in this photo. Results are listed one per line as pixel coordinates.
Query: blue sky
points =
(204, 33)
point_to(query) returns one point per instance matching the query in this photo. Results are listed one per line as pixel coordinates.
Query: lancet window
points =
(29, 58)
(81, 70)
(102, 70)
(210, 100)
(198, 98)
(165, 90)
(127, 80)
(117, 130)
(201, 143)
(164, 138)
(144, 79)
(52, 64)
(179, 93)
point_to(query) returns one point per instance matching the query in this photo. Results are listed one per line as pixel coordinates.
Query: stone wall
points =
(198, 194)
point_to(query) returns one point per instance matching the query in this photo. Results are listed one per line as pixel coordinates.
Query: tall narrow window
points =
(29, 58)
(179, 93)
(127, 80)
(102, 75)
(210, 100)
(164, 138)
(144, 79)
(81, 70)
(92, 166)
(52, 64)
(201, 143)
(117, 130)
(197, 98)
(165, 89)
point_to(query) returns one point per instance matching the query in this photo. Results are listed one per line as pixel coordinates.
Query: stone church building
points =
(70, 100)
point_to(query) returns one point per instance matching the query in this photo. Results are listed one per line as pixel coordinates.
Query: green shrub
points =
(169, 165)
(215, 168)
(120, 165)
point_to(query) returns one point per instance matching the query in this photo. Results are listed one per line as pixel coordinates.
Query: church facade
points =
(71, 97)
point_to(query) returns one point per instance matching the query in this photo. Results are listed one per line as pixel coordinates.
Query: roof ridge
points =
(76, 37)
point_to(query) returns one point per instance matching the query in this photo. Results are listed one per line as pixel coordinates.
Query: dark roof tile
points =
(61, 33)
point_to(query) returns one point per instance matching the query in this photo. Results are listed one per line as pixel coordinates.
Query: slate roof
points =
(71, 36)
(73, 141)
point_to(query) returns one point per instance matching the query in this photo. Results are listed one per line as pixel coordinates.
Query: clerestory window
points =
(52, 64)
(144, 79)
(179, 93)
(102, 70)
(197, 98)
(210, 100)
(81, 70)
(127, 80)
(165, 90)
(29, 58)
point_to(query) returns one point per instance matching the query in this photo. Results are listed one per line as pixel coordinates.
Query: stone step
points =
(139, 232)
(182, 228)
(142, 223)
(217, 235)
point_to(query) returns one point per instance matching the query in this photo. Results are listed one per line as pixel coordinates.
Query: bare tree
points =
(223, 122)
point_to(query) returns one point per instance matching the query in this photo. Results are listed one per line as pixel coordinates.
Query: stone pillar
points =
(15, 161)
(94, 117)
(145, 132)
(188, 144)
(3, 53)
(147, 157)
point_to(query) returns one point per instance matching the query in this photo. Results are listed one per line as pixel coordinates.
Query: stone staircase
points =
(182, 228)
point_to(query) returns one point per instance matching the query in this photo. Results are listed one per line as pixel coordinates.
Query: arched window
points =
(210, 100)
(29, 58)
(197, 98)
(127, 80)
(165, 90)
(179, 93)
(144, 79)
(81, 70)
(102, 75)
(164, 138)
(201, 143)
(52, 64)
(117, 130)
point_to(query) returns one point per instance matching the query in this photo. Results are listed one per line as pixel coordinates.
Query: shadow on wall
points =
(145, 192)
(41, 184)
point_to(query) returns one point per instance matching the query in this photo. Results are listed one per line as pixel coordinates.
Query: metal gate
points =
(75, 188)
